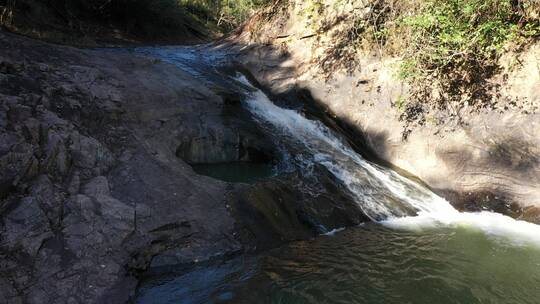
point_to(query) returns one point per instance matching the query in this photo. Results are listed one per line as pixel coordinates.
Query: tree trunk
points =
(6, 18)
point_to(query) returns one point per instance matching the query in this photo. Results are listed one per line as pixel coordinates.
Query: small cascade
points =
(382, 194)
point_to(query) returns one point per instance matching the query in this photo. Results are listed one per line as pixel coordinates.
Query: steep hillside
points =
(448, 93)
(89, 23)
(99, 22)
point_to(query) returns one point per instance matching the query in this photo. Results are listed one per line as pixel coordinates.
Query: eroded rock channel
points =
(99, 183)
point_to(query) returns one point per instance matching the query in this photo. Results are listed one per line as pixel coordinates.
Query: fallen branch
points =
(308, 36)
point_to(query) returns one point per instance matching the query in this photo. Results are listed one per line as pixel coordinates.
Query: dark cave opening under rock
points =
(233, 157)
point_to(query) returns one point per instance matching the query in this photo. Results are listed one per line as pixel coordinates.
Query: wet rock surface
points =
(293, 208)
(95, 184)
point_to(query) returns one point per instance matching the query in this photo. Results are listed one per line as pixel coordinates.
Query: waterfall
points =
(382, 194)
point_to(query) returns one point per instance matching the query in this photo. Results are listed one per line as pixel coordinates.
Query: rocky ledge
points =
(96, 186)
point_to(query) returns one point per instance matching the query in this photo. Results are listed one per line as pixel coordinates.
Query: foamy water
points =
(493, 224)
(382, 194)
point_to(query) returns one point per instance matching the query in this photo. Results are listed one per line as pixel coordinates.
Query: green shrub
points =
(216, 15)
(462, 35)
(225, 14)
(452, 49)
(154, 19)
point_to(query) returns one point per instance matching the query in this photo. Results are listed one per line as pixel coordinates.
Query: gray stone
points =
(94, 184)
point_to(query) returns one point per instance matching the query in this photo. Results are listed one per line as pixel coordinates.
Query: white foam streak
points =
(493, 224)
(334, 231)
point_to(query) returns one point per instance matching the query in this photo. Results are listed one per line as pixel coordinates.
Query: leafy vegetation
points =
(449, 49)
(452, 47)
(225, 14)
(459, 36)
(434, 36)
(148, 19)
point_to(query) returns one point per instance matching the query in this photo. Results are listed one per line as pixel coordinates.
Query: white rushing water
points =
(382, 194)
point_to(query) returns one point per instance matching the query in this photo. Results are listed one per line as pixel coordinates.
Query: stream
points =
(416, 249)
